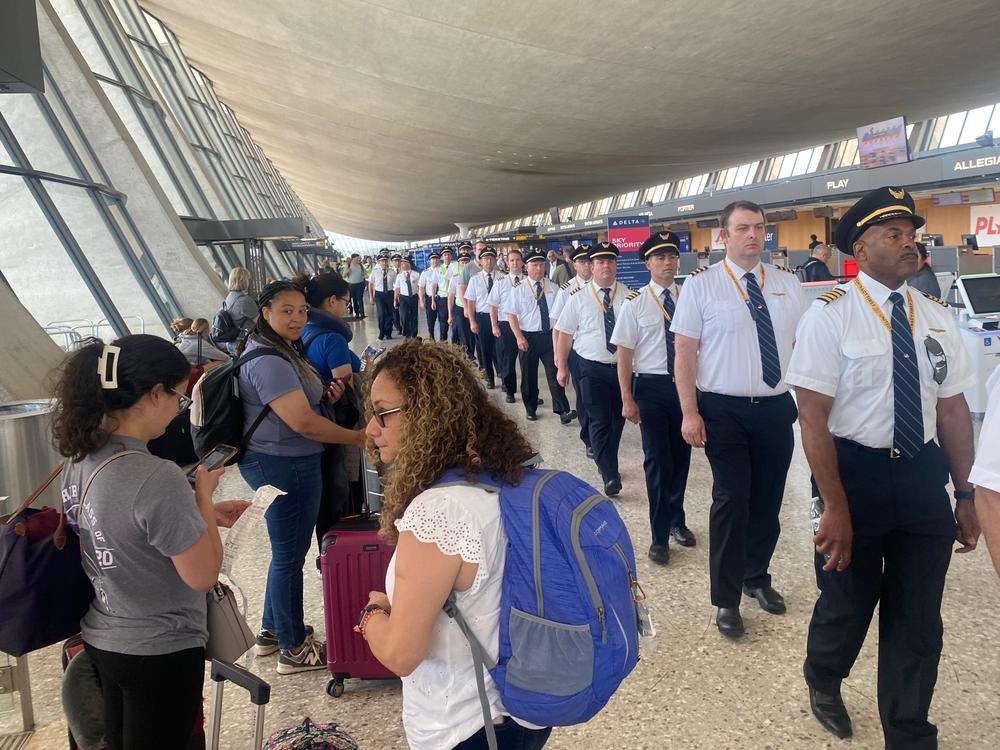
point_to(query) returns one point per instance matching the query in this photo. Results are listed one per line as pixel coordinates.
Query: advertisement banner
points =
(984, 222)
(771, 237)
(883, 143)
(685, 238)
(628, 233)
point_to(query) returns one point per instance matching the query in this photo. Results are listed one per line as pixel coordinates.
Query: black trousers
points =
(408, 314)
(461, 334)
(397, 323)
(540, 349)
(384, 309)
(749, 448)
(573, 362)
(487, 346)
(431, 316)
(599, 399)
(506, 353)
(666, 457)
(904, 530)
(442, 317)
(149, 701)
(358, 297)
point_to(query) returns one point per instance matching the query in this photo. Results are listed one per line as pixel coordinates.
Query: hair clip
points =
(107, 366)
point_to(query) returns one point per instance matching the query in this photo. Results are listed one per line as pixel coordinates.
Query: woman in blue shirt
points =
(326, 336)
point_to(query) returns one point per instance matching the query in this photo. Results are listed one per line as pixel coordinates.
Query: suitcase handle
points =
(260, 695)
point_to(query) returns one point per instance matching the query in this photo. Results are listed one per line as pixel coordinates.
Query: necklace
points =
(911, 312)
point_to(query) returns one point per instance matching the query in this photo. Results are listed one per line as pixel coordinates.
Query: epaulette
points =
(698, 270)
(578, 289)
(786, 270)
(564, 285)
(834, 294)
(632, 295)
(517, 282)
(932, 298)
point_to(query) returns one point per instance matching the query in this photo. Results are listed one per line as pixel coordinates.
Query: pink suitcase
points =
(353, 561)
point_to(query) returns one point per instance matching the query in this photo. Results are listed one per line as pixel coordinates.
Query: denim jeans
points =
(290, 522)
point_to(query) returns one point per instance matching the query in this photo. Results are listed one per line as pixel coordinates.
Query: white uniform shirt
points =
(986, 470)
(843, 350)
(713, 311)
(524, 305)
(428, 278)
(564, 291)
(376, 279)
(583, 318)
(500, 296)
(641, 327)
(445, 274)
(400, 283)
(476, 290)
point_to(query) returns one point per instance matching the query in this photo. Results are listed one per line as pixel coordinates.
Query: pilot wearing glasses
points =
(879, 371)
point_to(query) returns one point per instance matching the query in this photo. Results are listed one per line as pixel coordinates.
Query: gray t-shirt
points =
(470, 270)
(242, 307)
(355, 274)
(139, 512)
(262, 380)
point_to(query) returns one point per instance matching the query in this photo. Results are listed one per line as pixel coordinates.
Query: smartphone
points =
(215, 458)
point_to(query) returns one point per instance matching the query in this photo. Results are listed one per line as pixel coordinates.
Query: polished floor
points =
(696, 690)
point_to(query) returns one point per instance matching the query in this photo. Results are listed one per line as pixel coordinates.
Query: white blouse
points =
(440, 701)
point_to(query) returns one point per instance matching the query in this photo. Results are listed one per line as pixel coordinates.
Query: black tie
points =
(409, 285)
(908, 416)
(769, 361)
(489, 283)
(669, 306)
(609, 321)
(543, 306)
(385, 281)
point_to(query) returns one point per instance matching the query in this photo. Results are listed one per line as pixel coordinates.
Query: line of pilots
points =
(879, 371)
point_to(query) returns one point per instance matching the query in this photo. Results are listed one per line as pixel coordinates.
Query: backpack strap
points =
(313, 335)
(479, 661)
(261, 352)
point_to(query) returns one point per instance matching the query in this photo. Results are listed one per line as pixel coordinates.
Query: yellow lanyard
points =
(614, 291)
(911, 313)
(531, 285)
(739, 287)
(656, 299)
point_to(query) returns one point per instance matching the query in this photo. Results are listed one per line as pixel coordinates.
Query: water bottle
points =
(815, 511)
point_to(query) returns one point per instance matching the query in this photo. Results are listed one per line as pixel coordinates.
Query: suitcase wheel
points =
(335, 687)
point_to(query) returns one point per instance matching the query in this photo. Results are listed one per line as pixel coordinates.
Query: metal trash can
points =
(26, 453)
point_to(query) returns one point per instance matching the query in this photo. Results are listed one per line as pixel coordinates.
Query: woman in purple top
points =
(285, 451)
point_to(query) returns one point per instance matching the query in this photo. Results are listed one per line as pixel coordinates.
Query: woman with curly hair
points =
(430, 414)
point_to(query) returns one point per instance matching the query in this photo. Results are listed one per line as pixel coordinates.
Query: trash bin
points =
(26, 453)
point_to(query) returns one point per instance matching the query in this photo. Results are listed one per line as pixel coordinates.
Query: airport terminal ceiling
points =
(392, 119)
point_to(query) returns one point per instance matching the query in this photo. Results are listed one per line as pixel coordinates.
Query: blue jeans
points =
(290, 522)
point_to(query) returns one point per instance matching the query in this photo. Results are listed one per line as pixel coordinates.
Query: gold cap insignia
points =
(897, 194)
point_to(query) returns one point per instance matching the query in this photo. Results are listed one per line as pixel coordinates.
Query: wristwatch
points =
(965, 494)
(368, 608)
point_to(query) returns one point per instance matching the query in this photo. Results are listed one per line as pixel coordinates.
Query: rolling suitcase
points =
(353, 561)
(260, 696)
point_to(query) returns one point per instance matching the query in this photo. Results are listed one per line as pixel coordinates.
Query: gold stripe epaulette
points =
(698, 270)
(833, 294)
(578, 289)
(932, 298)
(632, 295)
(564, 285)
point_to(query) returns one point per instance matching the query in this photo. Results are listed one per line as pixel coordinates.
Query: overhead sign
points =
(883, 143)
(984, 222)
(628, 233)
(771, 237)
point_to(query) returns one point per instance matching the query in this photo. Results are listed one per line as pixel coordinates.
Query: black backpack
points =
(217, 409)
(224, 328)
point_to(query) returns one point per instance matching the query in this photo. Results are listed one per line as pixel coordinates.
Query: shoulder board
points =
(698, 270)
(633, 295)
(578, 289)
(517, 282)
(786, 270)
(834, 294)
(564, 286)
(932, 298)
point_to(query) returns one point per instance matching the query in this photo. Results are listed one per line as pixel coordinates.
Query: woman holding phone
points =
(285, 451)
(138, 522)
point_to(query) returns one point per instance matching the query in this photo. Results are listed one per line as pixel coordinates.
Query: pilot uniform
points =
(394, 271)
(745, 325)
(461, 334)
(505, 345)
(565, 290)
(530, 302)
(407, 282)
(381, 282)
(588, 316)
(477, 293)
(643, 326)
(446, 270)
(855, 345)
(428, 281)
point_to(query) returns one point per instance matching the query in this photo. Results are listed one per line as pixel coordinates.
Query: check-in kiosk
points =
(779, 258)
(980, 327)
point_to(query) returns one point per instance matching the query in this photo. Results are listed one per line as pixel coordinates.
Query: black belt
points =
(745, 399)
(593, 361)
(883, 452)
(653, 376)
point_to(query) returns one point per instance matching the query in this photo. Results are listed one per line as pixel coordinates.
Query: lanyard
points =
(656, 299)
(531, 285)
(739, 287)
(614, 291)
(911, 313)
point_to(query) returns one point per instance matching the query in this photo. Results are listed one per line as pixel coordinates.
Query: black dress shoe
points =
(540, 401)
(730, 622)
(490, 385)
(590, 452)
(768, 599)
(531, 416)
(831, 712)
(509, 398)
(659, 553)
(683, 536)
(613, 487)
(567, 416)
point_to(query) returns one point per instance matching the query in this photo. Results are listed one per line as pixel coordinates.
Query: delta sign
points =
(628, 233)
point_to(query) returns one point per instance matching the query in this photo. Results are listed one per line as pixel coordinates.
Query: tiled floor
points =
(696, 690)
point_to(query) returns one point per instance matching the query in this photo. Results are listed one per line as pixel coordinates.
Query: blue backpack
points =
(568, 616)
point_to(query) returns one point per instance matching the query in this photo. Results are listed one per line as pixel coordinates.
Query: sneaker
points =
(267, 641)
(311, 657)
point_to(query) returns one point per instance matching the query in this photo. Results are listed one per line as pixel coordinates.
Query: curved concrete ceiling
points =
(392, 119)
